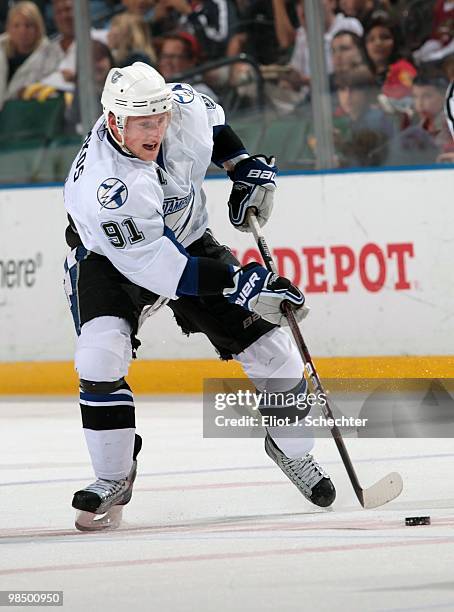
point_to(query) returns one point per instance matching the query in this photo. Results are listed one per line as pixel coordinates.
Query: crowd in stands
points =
(389, 62)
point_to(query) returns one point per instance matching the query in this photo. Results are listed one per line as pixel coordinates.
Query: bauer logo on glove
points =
(247, 289)
(263, 292)
(253, 188)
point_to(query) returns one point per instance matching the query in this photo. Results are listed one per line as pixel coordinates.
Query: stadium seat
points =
(287, 139)
(249, 129)
(20, 162)
(29, 120)
(26, 129)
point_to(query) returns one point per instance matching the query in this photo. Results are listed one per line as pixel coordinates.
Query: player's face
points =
(143, 135)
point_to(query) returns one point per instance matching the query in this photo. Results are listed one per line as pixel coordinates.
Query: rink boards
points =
(371, 250)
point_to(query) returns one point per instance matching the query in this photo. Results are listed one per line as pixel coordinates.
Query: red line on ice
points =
(225, 556)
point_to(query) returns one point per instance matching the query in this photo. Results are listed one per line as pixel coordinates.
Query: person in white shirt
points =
(334, 23)
(139, 238)
(25, 51)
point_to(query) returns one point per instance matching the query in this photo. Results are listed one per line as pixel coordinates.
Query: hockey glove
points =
(253, 187)
(263, 292)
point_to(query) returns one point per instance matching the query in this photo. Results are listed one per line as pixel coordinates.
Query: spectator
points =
(362, 9)
(368, 127)
(265, 31)
(179, 53)
(258, 33)
(298, 77)
(441, 42)
(211, 22)
(428, 140)
(347, 54)
(346, 51)
(334, 23)
(63, 50)
(443, 22)
(129, 40)
(285, 32)
(384, 53)
(429, 92)
(24, 51)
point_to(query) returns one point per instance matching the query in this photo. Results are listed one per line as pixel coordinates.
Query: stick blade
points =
(382, 492)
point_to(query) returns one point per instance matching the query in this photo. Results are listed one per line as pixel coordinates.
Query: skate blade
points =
(88, 521)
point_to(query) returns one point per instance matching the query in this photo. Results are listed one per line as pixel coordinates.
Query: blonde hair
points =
(137, 37)
(30, 11)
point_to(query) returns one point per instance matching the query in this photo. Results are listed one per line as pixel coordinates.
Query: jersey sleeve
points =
(132, 234)
(215, 112)
(449, 108)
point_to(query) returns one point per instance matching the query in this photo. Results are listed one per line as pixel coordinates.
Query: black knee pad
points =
(106, 405)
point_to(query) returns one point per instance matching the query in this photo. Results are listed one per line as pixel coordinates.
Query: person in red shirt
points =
(386, 58)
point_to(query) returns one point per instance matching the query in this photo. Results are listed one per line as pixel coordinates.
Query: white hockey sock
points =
(111, 452)
(294, 441)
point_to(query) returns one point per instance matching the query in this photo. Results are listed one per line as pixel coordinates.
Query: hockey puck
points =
(411, 521)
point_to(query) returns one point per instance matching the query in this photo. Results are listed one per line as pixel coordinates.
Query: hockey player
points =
(139, 239)
(449, 108)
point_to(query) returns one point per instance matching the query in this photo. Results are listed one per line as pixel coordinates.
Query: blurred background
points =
(321, 84)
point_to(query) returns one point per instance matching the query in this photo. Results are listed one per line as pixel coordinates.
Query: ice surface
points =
(215, 526)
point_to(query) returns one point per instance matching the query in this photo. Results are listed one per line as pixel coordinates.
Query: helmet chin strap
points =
(120, 122)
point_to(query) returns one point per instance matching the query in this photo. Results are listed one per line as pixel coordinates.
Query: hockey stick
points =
(389, 487)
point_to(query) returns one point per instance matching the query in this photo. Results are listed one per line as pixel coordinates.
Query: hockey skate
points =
(305, 473)
(100, 505)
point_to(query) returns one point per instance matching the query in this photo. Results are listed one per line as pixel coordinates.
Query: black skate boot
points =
(305, 473)
(100, 505)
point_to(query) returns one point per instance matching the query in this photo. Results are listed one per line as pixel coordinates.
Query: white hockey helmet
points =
(134, 91)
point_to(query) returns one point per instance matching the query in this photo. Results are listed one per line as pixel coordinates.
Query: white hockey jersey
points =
(450, 107)
(121, 205)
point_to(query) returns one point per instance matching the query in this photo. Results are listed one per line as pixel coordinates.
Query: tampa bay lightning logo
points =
(183, 93)
(112, 193)
(116, 76)
(209, 103)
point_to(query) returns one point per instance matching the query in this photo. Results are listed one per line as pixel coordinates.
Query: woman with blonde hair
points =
(24, 51)
(129, 40)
